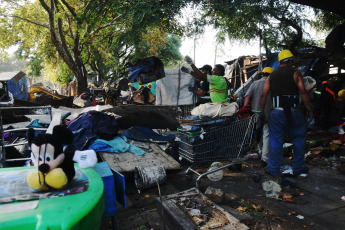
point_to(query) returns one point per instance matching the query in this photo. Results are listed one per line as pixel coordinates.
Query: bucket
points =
(148, 177)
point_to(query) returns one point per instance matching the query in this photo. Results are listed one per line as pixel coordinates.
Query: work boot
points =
(289, 180)
(263, 164)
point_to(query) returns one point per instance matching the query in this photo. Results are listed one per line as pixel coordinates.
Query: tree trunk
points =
(336, 39)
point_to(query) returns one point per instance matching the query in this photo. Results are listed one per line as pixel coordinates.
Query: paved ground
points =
(317, 198)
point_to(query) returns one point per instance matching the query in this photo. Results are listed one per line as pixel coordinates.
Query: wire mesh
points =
(219, 143)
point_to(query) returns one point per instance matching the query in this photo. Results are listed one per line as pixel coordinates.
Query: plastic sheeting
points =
(173, 89)
(146, 135)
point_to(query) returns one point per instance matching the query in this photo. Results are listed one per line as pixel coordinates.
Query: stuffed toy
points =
(55, 167)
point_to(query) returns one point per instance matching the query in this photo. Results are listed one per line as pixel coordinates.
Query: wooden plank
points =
(126, 162)
(25, 110)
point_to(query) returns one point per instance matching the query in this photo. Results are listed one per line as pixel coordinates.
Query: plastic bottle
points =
(193, 137)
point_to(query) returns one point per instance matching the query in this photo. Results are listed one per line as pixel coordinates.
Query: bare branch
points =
(69, 8)
(105, 26)
(27, 20)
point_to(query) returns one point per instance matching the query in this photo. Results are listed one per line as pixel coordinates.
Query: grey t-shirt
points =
(254, 92)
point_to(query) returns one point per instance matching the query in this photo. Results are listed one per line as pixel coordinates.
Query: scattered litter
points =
(251, 155)
(272, 189)
(292, 213)
(279, 218)
(195, 212)
(343, 198)
(300, 217)
(287, 198)
(253, 209)
(218, 175)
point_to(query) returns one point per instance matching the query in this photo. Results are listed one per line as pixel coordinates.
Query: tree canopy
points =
(75, 36)
(79, 35)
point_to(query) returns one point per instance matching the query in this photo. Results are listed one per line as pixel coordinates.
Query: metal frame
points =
(10, 111)
(225, 143)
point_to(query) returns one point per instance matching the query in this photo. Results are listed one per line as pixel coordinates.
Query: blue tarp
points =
(117, 145)
(90, 126)
(146, 70)
(273, 62)
(146, 135)
(19, 89)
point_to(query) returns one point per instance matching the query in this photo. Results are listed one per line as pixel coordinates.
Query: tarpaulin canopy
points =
(173, 89)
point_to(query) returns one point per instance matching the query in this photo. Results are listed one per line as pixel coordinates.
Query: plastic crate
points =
(218, 143)
(107, 176)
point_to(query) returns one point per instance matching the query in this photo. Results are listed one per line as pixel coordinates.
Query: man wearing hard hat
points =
(253, 97)
(286, 86)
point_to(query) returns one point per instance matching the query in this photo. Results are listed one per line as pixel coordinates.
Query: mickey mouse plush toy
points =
(55, 167)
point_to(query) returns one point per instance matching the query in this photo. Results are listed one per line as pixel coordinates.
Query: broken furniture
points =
(10, 112)
(227, 140)
(193, 210)
(126, 162)
(80, 206)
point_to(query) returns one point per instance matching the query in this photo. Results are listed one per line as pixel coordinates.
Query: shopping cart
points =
(226, 141)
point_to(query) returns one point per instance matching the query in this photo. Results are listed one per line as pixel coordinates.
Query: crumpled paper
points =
(272, 189)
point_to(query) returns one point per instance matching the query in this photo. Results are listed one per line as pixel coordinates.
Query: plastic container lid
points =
(193, 134)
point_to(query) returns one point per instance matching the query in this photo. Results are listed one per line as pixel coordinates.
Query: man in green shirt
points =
(218, 84)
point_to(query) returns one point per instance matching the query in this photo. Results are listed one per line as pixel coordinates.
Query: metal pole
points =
(260, 59)
(194, 49)
(215, 54)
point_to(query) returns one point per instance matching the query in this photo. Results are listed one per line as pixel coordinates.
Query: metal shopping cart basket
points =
(228, 141)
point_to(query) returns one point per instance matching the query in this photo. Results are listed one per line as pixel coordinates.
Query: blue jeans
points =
(296, 130)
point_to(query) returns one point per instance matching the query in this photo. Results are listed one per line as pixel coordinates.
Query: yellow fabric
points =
(35, 180)
(56, 178)
(284, 54)
(267, 70)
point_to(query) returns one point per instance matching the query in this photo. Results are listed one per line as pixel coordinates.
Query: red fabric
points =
(244, 112)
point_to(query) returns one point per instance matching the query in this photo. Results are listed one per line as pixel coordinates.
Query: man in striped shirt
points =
(218, 84)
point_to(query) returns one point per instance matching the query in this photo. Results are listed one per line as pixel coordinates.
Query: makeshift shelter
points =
(304, 66)
(173, 89)
(16, 83)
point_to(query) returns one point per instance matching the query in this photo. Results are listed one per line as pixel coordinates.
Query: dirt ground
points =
(314, 203)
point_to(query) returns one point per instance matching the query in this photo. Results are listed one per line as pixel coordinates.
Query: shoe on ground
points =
(263, 164)
(289, 180)
(267, 172)
(305, 170)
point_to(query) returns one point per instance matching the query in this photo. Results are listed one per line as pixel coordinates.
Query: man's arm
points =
(197, 73)
(249, 94)
(300, 85)
(265, 92)
(200, 92)
(246, 100)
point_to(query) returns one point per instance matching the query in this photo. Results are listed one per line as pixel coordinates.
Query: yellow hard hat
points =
(90, 84)
(267, 70)
(341, 94)
(141, 86)
(284, 54)
(105, 84)
(149, 84)
(129, 83)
